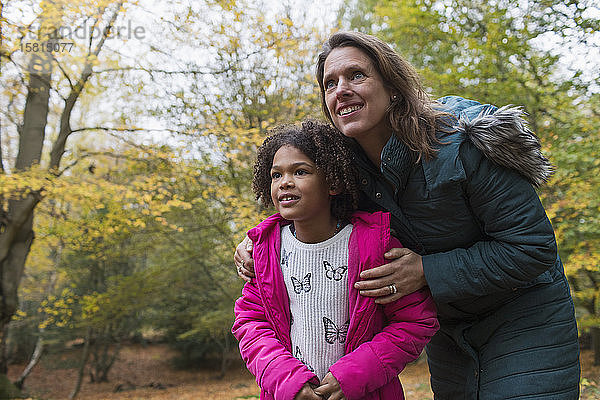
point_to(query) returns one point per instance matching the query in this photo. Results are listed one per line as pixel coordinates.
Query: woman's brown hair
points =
(410, 113)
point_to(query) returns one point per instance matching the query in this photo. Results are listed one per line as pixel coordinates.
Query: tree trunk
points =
(4, 347)
(225, 357)
(11, 269)
(39, 345)
(595, 331)
(31, 138)
(35, 358)
(107, 365)
(17, 234)
(84, 359)
(104, 354)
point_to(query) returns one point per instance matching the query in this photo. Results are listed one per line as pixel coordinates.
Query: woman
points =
(458, 178)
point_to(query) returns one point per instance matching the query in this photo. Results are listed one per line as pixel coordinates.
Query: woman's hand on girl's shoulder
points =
(243, 260)
(389, 282)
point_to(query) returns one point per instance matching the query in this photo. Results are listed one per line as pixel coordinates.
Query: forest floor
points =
(147, 373)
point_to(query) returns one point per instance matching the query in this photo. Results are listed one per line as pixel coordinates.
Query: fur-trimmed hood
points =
(503, 136)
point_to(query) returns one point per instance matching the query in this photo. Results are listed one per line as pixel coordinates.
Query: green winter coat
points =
(489, 255)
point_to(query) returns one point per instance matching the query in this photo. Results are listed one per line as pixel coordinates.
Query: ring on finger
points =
(393, 288)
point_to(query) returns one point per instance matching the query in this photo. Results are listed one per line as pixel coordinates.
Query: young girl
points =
(304, 331)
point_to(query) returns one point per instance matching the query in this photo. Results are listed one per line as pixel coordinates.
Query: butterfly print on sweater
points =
(334, 273)
(301, 285)
(300, 357)
(285, 257)
(333, 333)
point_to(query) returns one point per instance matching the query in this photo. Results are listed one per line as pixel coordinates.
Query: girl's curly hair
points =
(327, 148)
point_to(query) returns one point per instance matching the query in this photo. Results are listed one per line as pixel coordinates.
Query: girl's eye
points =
(358, 75)
(301, 172)
(329, 85)
(275, 175)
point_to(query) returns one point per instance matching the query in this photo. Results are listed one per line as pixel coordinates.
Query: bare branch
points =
(109, 154)
(1, 154)
(108, 28)
(58, 148)
(183, 72)
(94, 25)
(109, 129)
(20, 68)
(66, 75)
(163, 71)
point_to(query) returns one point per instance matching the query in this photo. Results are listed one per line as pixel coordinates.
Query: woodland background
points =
(126, 154)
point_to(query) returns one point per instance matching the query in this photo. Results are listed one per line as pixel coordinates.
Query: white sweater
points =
(316, 279)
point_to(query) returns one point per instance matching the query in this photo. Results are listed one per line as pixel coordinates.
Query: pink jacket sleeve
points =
(412, 323)
(276, 370)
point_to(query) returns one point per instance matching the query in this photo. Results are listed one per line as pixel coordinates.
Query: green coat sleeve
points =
(519, 240)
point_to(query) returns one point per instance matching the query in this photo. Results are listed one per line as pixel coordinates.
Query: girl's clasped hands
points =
(329, 389)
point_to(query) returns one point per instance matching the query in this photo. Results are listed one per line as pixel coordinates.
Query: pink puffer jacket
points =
(381, 339)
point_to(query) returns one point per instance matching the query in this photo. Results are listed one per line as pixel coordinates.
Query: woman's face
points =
(355, 94)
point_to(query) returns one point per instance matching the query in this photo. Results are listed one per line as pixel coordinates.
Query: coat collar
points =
(501, 134)
(446, 166)
(262, 231)
(396, 161)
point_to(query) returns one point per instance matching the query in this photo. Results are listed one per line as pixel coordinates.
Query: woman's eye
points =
(275, 175)
(329, 85)
(358, 75)
(301, 172)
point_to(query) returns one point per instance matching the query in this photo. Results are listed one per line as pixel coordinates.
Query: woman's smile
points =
(347, 110)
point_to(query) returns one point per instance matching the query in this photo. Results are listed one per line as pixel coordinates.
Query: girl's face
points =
(298, 189)
(355, 94)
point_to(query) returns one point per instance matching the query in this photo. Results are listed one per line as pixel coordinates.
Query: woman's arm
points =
(521, 243)
(276, 370)
(412, 323)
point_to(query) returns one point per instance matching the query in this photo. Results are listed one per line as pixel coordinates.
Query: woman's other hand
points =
(243, 259)
(389, 282)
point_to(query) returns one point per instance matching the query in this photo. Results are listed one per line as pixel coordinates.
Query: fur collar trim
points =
(505, 138)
